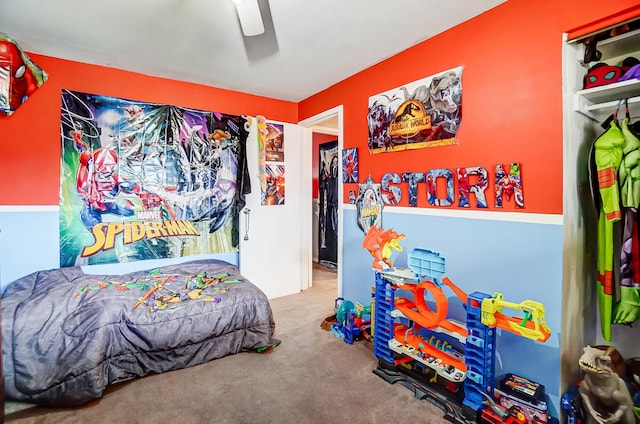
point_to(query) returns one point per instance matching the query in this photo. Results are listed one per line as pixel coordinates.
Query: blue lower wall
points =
(30, 240)
(521, 260)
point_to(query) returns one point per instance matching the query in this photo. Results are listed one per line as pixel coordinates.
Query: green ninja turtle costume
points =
(608, 155)
(627, 309)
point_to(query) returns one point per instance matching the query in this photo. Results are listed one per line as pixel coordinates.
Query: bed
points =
(67, 335)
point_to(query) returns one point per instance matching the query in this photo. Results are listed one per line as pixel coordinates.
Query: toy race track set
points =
(445, 361)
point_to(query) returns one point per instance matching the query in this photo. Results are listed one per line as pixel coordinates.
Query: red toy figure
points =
(380, 244)
(24, 77)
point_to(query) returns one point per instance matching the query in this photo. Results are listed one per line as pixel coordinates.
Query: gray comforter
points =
(66, 335)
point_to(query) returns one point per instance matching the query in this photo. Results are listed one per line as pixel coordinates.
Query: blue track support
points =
(383, 321)
(480, 352)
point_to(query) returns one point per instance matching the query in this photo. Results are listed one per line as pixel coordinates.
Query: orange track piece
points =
(424, 316)
(404, 336)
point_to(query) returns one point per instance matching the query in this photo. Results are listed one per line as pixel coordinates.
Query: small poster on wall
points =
(274, 191)
(424, 113)
(271, 162)
(350, 165)
(274, 142)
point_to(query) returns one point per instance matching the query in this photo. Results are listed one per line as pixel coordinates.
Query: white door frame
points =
(307, 152)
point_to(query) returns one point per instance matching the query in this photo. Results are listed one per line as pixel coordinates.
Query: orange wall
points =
(511, 95)
(511, 98)
(30, 138)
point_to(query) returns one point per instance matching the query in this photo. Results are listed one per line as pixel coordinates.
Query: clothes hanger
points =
(614, 116)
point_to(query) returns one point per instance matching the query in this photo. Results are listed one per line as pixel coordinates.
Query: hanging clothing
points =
(608, 156)
(627, 309)
(629, 173)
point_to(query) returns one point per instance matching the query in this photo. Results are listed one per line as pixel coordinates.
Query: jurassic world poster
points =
(147, 181)
(424, 113)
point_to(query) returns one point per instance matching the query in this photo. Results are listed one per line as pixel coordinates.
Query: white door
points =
(275, 240)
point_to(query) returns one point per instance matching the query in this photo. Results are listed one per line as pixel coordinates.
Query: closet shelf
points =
(606, 97)
(611, 105)
(611, 92)
(621, 45)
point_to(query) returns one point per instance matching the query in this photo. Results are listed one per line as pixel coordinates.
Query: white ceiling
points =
(308, 46)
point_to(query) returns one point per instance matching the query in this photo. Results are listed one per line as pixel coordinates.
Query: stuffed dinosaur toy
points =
(604, 393)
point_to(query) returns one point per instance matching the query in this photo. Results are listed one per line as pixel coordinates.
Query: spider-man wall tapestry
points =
(148, 181)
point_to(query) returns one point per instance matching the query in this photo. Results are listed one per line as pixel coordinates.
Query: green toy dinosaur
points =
(604, 394)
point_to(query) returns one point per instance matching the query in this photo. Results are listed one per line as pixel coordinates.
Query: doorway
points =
(329, 122)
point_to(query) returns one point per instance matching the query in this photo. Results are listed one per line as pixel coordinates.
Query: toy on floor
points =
(527, 395)
(448, 362)
(632, 368)
(496, 414)
(604, 393)
(571, 404)
(420, 345)
(351, 324)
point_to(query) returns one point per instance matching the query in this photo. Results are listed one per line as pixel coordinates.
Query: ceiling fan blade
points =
(250, 17)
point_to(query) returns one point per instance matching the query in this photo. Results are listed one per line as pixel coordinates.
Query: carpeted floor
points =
(312, 377)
